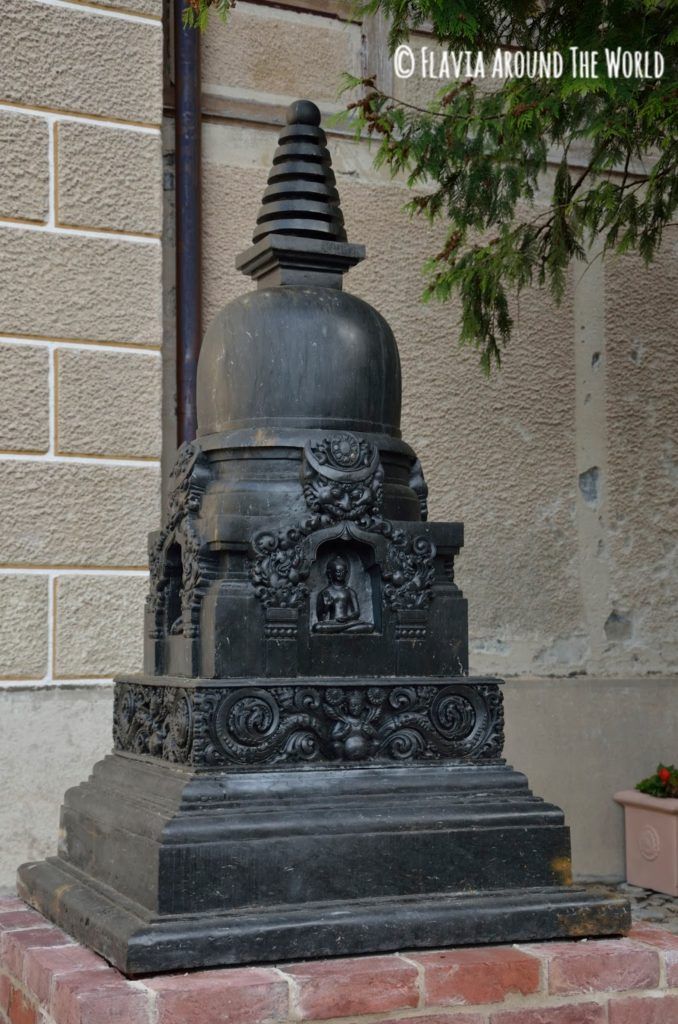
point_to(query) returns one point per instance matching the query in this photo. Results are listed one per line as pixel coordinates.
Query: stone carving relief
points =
(420, 488)
(342, 478)
(281, 566)
(153, 720)
(179, 564)
(408, 573)
(281, 725)
(337, 605)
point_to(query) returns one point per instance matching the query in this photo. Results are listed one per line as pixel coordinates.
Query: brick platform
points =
(46, 978)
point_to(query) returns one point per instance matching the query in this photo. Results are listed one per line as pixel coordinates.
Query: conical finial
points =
(299, 236)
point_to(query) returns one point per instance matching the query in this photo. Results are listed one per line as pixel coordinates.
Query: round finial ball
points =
(303, 112)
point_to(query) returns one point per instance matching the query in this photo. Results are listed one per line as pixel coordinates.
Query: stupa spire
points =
(299, 237)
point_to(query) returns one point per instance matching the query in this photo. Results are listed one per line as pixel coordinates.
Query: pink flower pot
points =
(651, 840)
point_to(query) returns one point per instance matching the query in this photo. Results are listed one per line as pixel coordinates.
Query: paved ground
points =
(646, 906)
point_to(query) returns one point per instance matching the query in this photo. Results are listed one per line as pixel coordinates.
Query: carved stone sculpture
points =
(305, 767)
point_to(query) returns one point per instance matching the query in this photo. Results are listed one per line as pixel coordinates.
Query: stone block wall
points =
(80, 333)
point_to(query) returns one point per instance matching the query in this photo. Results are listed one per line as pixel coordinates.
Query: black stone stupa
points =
(305, 768)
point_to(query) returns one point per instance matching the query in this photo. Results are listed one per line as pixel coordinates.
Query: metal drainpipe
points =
(187, 123)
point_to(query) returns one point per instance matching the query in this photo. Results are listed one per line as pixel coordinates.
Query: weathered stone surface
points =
(24, 398)
(109, 178)
(78, 514)
(127, 56)
(524, 417)
(88, 288)
(24, 167)
(97, 629)
(261, 45)
(109, 403)
(23, 626)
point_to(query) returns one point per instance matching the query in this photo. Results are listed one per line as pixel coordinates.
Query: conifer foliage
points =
(477, 155)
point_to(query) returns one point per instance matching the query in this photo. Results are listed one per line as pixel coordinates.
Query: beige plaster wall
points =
(80, 335)
(563, 466)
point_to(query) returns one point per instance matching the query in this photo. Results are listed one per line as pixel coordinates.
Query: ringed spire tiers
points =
(300, 237)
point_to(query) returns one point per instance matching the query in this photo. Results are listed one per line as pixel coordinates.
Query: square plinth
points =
(164, 867)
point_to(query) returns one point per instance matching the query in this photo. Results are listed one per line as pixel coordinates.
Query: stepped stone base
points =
(47, 978)
(167, 869)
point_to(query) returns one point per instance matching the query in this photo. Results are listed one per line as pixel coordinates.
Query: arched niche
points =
(345, 589)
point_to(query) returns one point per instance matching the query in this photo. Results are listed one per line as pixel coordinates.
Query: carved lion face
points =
(344, 499)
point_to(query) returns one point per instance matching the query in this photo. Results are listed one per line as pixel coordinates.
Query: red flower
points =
(664, 775)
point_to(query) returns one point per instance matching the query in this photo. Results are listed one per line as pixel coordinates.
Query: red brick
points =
(4, 993)
(577, 1013)
(42, 965)
(98, 997)
(657, 937)
(11, 903)
(13, 920)
(234, 996)
(473, 976)
(644, 1010)
(662, 940)
(671, 960)
(338, 988)
(21, 1010)
(601, 965)
(13, 946)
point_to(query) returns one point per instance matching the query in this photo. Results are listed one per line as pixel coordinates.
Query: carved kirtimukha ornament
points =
(305, 767)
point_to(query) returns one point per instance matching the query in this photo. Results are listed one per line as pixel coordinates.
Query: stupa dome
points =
(299, 352)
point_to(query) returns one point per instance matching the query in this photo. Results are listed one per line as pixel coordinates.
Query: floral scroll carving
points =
(274, 725)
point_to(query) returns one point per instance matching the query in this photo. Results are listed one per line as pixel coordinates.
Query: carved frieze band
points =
(280, 726)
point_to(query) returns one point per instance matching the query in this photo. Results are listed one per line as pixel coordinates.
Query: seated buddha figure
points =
(337, 607)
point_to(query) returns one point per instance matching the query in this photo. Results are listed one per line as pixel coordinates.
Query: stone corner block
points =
(109, 178)
(24, 166)
(98, 631)
(127, 56)
(93, 289)
(23, 627)
(24, 398)
(77, 515)
(109, 403)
